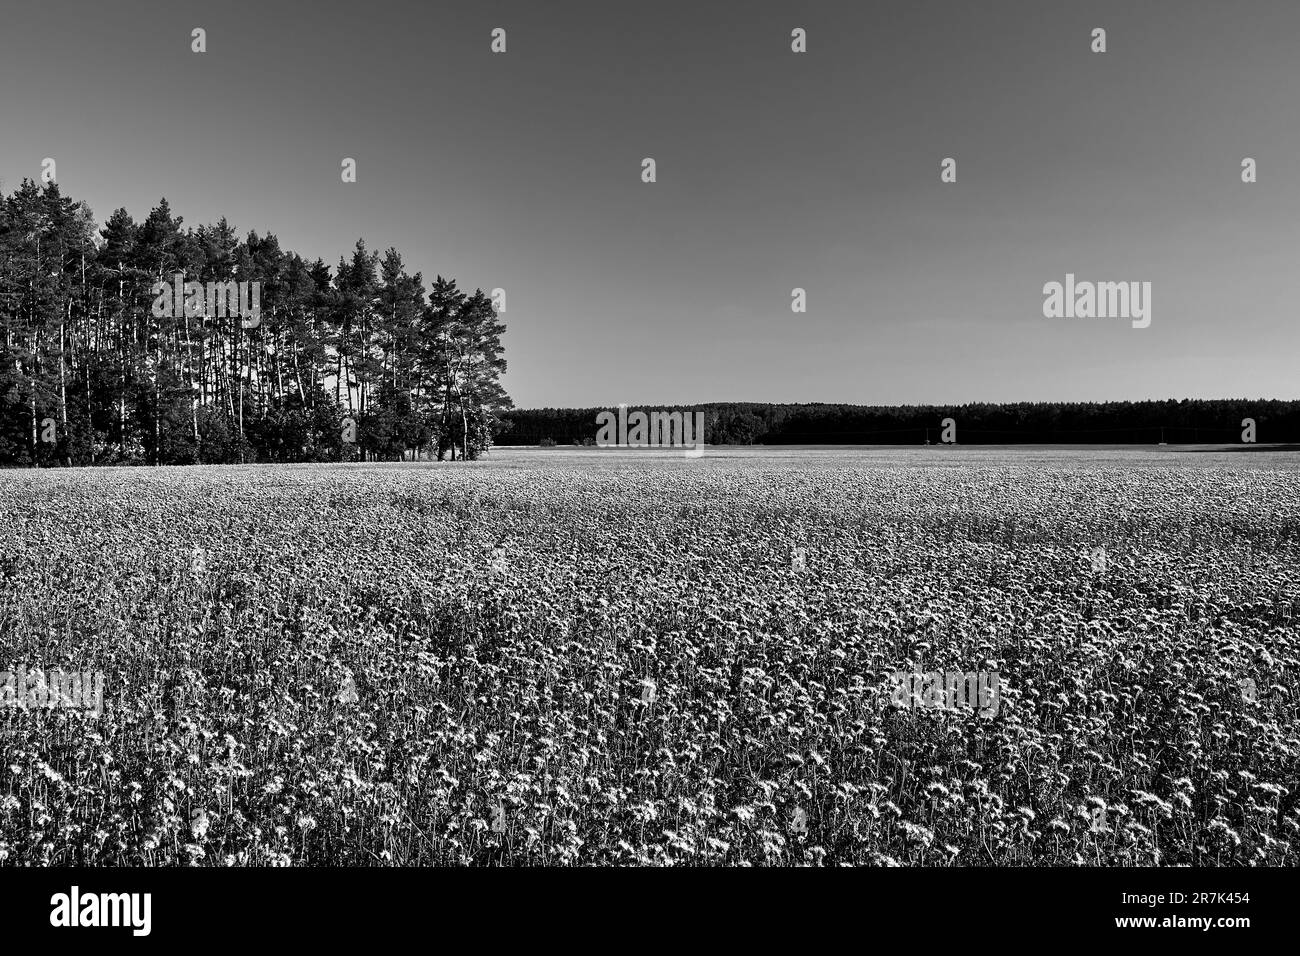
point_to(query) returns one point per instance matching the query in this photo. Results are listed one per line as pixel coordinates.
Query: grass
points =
(579, 656)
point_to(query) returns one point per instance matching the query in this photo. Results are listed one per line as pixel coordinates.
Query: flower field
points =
(600, 658)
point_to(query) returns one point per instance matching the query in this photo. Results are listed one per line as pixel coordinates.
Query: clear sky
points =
(820, 170)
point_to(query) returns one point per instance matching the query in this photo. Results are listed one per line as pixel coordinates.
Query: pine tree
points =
(97, 340)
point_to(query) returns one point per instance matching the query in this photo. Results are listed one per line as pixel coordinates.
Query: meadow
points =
(589, 657)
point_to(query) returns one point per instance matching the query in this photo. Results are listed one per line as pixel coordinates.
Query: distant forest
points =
(149, 343)
(1214, 421)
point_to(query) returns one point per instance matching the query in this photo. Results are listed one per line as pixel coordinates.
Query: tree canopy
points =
(97, 367)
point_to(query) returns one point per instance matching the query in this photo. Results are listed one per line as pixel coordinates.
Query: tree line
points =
(98, 368)
(1190, 421)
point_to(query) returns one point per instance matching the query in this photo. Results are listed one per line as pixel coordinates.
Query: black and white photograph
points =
(648, 453)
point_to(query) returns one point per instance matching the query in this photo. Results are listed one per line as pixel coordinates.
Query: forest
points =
(1187, 421)
(357, 362)
(114, 350)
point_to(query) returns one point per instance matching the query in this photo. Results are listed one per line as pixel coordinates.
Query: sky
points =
(774, 170)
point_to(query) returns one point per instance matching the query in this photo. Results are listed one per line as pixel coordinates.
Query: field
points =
(583, 657)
